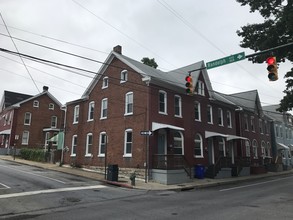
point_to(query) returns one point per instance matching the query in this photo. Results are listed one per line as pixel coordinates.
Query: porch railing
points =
(171, 162)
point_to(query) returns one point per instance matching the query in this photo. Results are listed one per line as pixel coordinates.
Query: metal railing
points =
(171, 162)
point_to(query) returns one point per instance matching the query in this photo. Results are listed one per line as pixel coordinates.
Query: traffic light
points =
(272, 68)
(189, 85)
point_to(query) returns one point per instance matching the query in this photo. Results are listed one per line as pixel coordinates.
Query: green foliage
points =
(32, 154)
(149, 62)
(276, 30)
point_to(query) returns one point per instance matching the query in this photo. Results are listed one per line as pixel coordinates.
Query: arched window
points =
(222, 147)
(247, 148)
(198, 146)
(178, 143)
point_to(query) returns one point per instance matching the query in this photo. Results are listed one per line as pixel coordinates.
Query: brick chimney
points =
(117, 49)
(45, 88)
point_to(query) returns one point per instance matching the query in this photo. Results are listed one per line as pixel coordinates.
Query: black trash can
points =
(112, 174)
(199, 171)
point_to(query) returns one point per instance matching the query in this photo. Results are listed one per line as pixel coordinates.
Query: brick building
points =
(29, 121)
(127, 97)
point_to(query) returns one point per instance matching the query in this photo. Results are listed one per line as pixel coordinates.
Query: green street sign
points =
(226, 60)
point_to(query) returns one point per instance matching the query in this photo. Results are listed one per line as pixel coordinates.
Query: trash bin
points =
(112, 174)
(199, 171)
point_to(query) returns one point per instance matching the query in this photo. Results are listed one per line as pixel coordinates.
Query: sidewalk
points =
(140, 183)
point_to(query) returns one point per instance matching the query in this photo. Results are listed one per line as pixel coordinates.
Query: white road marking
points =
(6, 187)
(59, 181)
(254, 184)
(12, 195)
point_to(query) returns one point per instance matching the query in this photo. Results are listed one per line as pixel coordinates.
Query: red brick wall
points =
(40, 119)
(115, 124)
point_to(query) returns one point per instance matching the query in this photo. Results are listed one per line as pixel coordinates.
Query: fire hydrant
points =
(132, 178)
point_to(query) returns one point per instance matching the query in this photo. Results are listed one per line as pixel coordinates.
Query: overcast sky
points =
(174, 32)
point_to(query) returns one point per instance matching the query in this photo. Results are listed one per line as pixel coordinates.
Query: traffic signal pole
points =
(269, 50)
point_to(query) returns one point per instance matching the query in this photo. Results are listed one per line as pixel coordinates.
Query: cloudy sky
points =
(175, 33)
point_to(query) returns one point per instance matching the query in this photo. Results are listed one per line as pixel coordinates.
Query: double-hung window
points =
(178, 106)
(198, 146)
(129, 103)
(76, 114)
(210, 114)
(54, 122)
(102, 144)
(73, 145)
(91, 111)
(128, 143)
(25, 137)
(162, 102)
(104, 108)
(27, 118)
(197, 113)
(89, 145)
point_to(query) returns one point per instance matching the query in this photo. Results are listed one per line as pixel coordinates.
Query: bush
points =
(32, 154)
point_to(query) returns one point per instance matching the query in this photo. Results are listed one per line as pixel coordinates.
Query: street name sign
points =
(226, 60)
(146, 133)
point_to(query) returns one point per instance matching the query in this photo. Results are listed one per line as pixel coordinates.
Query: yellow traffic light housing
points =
(272, 68)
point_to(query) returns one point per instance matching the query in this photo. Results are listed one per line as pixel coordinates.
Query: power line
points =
(79, 56)
(47, 62)
(19, 56)
(121, 32)
(58, 40)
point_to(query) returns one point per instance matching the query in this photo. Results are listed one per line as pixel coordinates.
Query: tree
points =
(149, 62)
(276, 30)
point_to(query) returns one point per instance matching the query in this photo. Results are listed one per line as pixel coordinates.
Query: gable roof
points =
(10, 98)
(271, 112)
(248, 100)
(174, 78)
(45, 92)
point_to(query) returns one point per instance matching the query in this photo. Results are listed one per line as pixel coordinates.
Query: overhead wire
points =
(190, 26)
(19, 56)
(79, 56)
(111, 77)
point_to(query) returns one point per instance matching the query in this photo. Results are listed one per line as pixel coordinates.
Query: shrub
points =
(32, 154)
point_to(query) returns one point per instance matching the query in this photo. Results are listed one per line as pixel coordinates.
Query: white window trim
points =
(201, 147)
(76, 113)
(105, 85)
(87, 154)
(100, 142)
(102, 107)
(51, 106)
(123, 73)
(125, 143)
(126, 103)
(92, 103)
(55, 117)
(182, 142)
(28, 135)
(72, 141)
(180, 106)
(36, 103)
(200, 88)
(30, 118)
(199, 111)
(210, 108)
(165, 102)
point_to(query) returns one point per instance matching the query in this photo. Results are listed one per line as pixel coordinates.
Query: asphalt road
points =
(32, 193)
